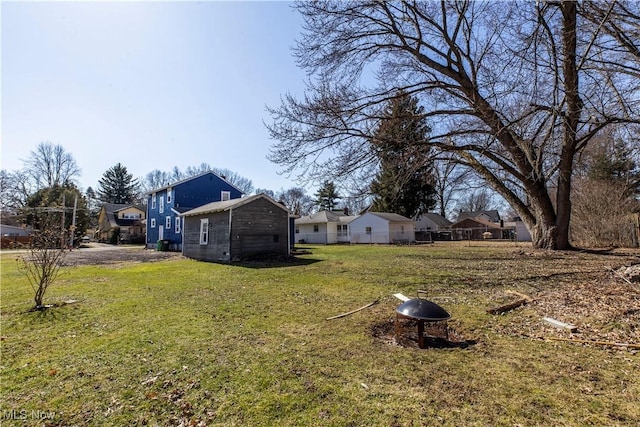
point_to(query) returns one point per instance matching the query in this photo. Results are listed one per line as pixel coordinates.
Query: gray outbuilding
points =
(236, 229)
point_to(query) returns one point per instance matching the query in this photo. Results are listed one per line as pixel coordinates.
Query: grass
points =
(189, 343)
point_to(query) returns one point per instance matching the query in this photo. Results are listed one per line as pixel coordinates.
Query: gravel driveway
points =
(100, 253)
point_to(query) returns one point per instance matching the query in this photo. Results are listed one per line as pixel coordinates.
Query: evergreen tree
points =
(404, 183)
(117, 185)
(614, 161)
(327, 195)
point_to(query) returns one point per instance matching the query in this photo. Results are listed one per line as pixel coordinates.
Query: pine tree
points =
(327, 195)
(117, 185)
(404, 183)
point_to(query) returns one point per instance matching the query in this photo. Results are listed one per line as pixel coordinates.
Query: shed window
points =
(153, 223)
(167, 223)
(276, 238)
(204, 231)
(177, 225)
(315, 228)
(367, 230)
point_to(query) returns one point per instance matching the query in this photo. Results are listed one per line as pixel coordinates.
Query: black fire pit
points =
(427, 316)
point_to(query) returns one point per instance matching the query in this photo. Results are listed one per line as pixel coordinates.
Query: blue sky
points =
(151, 85)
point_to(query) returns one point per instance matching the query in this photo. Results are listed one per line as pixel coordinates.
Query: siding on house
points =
(322, 227)
(128, 219)
(382, 227)
(238, 229)
(164, 205)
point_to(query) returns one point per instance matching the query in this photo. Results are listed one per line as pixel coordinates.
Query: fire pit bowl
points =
(428, 316)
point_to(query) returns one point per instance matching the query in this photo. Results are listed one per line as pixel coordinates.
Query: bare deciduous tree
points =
(450, 180)
(50, 165)
(296, 200)
(514, 90)
(41, 265)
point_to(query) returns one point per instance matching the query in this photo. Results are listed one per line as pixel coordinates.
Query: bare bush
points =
(602, 214)
(41, 265)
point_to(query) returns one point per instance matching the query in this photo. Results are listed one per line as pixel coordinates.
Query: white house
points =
(323, 227)
(382, 227)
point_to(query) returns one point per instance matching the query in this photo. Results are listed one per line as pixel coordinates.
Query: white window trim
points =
(177, 224)
(167, 223)
(153, 223)
(169, 195)
(161, 204)
(204, 231)
(153, 201)
(225, 195)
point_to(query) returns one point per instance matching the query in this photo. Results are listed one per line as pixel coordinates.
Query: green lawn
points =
(183, 342)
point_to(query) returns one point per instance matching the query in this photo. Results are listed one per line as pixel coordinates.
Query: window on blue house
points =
(161, 206)
(204, 231)
(167, 223)
(225, 195)
(153, 223)
(153, 201)
(169, 195)
(177, 225)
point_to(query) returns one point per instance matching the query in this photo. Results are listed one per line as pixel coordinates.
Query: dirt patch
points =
(97, 255)
(385, 333)
(605, 309)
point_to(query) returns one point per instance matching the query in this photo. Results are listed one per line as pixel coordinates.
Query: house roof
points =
(436, 219)
(493, 214)
(230, 204)
(323, 217)
(481, 222)
(391, 217)
(13, 230)
(175, 184)
(112, 209)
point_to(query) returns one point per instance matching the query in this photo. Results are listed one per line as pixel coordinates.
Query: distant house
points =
(521, 231)
(121, 223)
(14, 237)
(324, 227)
(236, 229)
(476, 229)
(382, 227)
(489, 215)
(432, 226)
(13, 231)
(165, 204)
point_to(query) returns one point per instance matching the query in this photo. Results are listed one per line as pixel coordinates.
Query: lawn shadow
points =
(274, 262)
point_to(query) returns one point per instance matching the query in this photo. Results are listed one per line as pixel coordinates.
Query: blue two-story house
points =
(164, 206)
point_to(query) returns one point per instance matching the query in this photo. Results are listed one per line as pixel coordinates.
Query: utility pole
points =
(64, 208)
(73, 222)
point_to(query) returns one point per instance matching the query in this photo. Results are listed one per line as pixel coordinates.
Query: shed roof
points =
(230, 204)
